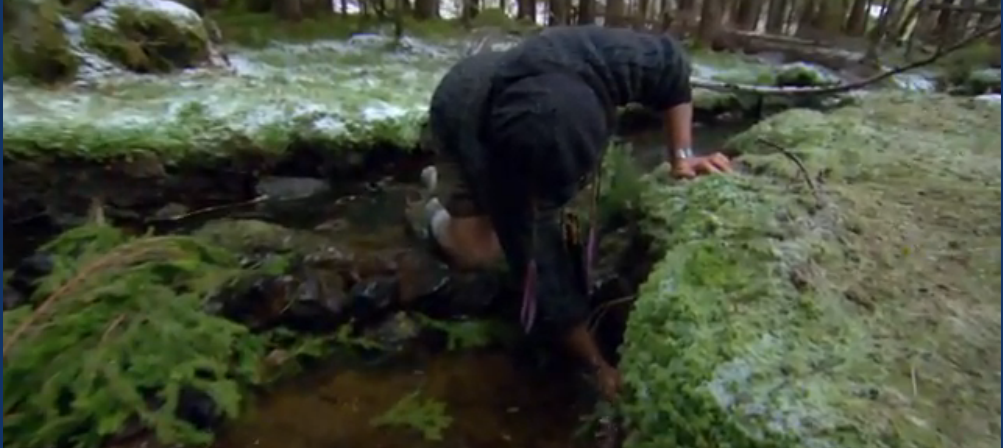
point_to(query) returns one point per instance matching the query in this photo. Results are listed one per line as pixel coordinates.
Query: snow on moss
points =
(335, 97)
(864, 313)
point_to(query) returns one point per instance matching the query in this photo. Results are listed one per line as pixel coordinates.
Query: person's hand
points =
(608, 381)
(698, 166)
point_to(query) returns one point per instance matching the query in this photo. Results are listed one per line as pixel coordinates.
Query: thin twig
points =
(112, 326)
(596, 317)
(797, 161)
(915, 382)
(815, 91)
(206, 210)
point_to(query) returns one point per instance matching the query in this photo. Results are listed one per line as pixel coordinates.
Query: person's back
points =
(621, 65)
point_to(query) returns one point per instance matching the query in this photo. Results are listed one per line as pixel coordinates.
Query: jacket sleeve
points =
(666, 79)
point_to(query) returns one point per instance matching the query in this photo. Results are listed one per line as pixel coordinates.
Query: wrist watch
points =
(684, 153)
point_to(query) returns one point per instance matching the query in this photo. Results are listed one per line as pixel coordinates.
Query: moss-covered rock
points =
(38, 45)
(857, 308)
(147, 36)
(802, 75)
(983, 81)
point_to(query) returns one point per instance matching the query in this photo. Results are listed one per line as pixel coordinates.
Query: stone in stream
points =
(291, 188)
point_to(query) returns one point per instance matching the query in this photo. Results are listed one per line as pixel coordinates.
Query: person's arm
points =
(679, 133)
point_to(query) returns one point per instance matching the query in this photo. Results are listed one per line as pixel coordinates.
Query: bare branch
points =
(816, 91)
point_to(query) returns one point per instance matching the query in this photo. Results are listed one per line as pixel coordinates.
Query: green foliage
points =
(118, 334)
(424, 415)
(149, 41)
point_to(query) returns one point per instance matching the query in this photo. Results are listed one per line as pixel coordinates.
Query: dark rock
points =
(317, 301)
(29, 271)
(395, 333)
(373, 296)
(420, 276)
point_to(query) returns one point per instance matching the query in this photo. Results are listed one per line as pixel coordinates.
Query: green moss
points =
(38, 45)
(783, 316)
(800, 76)
(148, 41)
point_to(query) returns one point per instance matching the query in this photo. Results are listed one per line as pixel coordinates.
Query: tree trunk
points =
(471, 8)
(776, 16)
(587, 12)
(400, 9)
(807, 18)
(961, 20)
(748, 13)
(291, 10)
(643, 9)
(615, 12)
(856, 24)
(908, 24)
(710, 21)
(831, 16)
(558, 12)
(425, 9)
(944, 21)
(526, 10)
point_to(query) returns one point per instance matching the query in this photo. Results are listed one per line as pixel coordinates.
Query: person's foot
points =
(419, 212)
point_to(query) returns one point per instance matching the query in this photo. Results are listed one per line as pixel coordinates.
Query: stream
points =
(505, 394)
(498, 397)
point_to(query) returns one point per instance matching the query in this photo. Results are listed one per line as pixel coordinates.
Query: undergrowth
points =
(116, 335)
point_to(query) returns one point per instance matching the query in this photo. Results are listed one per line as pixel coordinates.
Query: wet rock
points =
(395, 333)
(28, 272)
(304, 299)
(291, 188)
(420, 276)
(372, 296)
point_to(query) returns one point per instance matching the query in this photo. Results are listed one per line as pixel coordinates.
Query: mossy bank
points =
(852, 302)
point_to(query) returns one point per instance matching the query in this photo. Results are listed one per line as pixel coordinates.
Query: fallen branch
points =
(797, 161)
(833, 90)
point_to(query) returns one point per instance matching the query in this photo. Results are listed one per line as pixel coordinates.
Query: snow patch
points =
(992, 98)
(106, 15)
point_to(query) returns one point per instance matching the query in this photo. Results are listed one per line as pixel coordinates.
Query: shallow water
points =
(493, 404)
(495, 398)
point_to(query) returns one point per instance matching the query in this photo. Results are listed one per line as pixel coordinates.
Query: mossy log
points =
(820, 303)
